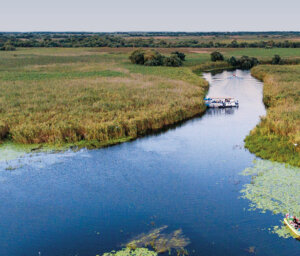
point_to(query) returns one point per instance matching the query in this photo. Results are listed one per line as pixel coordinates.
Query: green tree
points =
(216, 56)
(276, 60)
(180, 55)
(153, 58)
(172, 61)
(8, 47)
(137, 57)
(233, 61)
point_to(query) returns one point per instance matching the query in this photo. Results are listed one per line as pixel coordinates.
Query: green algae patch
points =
(130, 252)
(10, 151)
(274, 187)
(161, 242)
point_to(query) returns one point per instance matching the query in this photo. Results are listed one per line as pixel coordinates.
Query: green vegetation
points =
(89, 97)
(154, 58)
(274, 187)
(7, 47)
(129, 252)
(243, 63)
(266, 40)
(161, 242)
(216, 56)
(277, 136)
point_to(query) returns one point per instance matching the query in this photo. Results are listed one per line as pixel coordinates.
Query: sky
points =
(150, 15)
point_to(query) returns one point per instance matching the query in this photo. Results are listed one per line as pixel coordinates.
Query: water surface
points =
(91, 202)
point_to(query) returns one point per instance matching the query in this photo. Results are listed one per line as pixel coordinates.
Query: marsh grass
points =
(90, 98)
(277, 137)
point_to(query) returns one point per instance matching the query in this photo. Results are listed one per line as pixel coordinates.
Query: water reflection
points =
(220, 111)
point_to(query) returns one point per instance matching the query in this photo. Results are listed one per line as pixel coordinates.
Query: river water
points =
(91, 202)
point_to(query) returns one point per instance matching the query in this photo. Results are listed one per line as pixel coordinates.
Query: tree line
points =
(131, 40)
(245, 62)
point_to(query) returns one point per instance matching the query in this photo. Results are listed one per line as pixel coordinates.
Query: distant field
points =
(90, 96)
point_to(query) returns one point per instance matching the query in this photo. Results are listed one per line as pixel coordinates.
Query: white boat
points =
(221, 102)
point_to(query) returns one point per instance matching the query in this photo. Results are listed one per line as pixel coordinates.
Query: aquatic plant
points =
(274, 187)
(161, 242)
(131, 252)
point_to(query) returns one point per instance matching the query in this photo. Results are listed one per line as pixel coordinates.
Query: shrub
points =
(8, 47)
(232, 61)
(172, 61)
(216, 56)
(180, 55)
(153, 58)
(276, 60)
(137, 57)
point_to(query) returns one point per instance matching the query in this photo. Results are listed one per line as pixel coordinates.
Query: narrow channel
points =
(188, 178)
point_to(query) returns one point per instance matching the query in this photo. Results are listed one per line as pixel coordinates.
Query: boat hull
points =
(294, 231)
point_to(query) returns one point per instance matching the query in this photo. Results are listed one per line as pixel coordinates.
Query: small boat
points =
(289, 222)
(221, 102)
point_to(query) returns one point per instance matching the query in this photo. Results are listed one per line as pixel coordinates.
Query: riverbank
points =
(277, 136)
(89, 98)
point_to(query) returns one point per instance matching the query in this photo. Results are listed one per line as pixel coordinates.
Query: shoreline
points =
(266, 140)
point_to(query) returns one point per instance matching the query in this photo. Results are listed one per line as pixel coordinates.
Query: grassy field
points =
(90, 97)
(95, 97)
(277, 137)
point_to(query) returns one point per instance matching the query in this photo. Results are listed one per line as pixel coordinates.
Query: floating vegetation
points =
(282, 231)
(274, 187)
(161, 242)
(131, 252)
(251, 249)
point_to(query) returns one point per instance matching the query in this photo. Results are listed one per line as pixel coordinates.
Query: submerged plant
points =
(131, 252)
(161, 242)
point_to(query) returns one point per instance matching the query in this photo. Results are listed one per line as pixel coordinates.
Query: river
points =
(91, 202)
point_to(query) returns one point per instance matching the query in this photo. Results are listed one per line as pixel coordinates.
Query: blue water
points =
(91, 202)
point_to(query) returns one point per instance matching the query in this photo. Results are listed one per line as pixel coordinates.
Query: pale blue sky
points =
(154, 15)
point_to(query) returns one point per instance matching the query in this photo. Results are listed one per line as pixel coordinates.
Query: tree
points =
(216, 56)
(137, 57)
(153, 58)
(172, 61)
(276, 60)
(180, 55)
(247, 63)
(8, 47)
(232, 61)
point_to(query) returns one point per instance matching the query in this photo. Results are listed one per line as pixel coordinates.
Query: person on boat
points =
(296, 221)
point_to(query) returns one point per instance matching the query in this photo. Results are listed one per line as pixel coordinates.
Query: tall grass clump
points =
(277, 137)
(90, 98)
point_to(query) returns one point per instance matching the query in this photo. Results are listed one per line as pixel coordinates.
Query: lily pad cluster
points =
(274, 187)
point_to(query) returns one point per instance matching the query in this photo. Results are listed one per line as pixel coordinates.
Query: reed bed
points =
(58, 97)
(277, 137)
